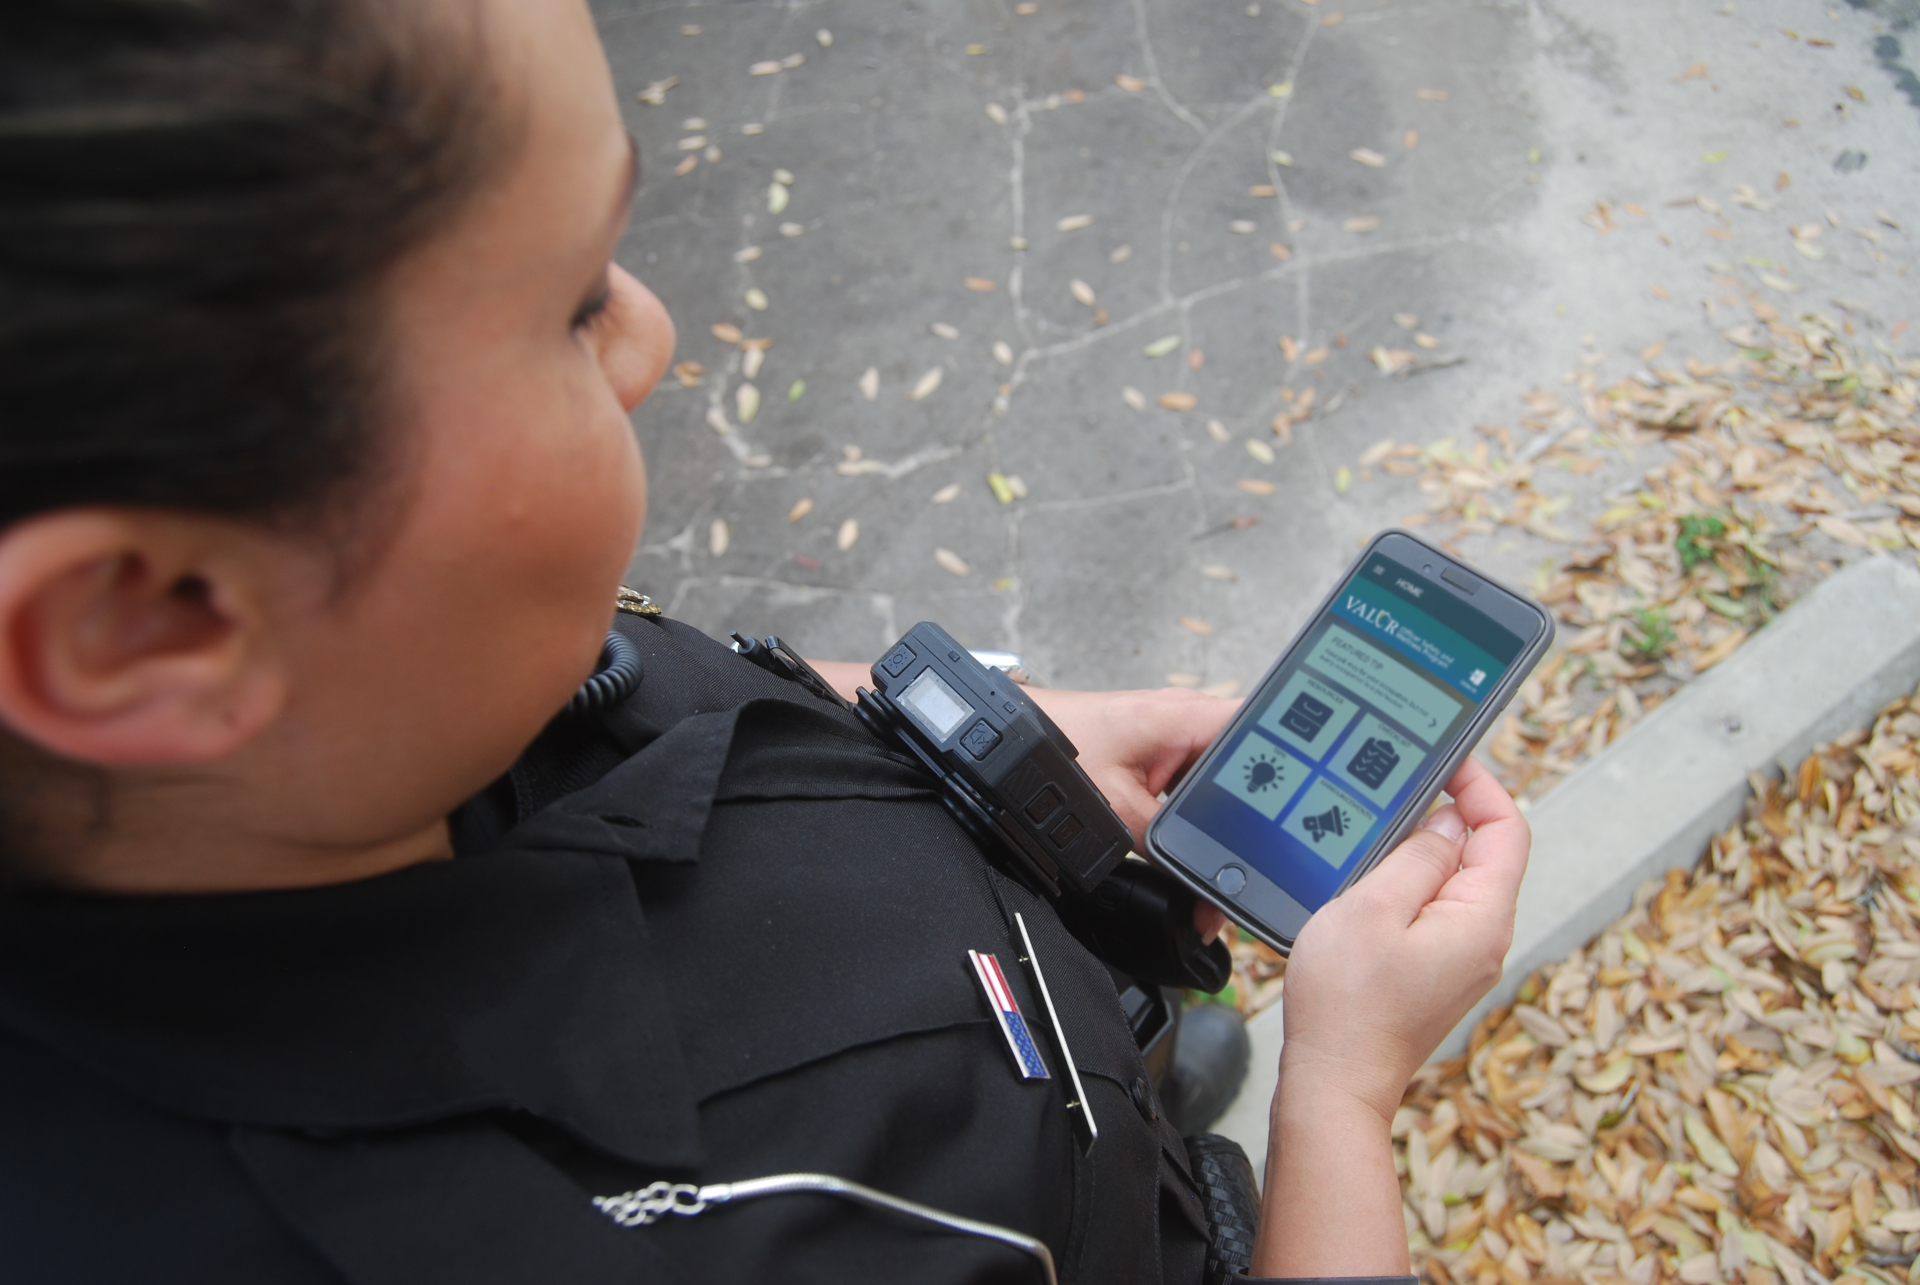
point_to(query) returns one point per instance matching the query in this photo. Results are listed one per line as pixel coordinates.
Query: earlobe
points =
(133, 638)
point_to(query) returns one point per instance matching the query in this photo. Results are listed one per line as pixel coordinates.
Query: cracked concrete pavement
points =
(1269, 192)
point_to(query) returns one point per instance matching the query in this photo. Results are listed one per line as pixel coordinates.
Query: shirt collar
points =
(652, 807)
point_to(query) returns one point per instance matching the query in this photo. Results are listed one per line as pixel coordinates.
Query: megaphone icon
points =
(1332, 821)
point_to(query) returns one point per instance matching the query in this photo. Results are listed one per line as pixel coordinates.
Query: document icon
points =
(1306, 716)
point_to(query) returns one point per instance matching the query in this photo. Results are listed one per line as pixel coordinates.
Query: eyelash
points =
(592, 310)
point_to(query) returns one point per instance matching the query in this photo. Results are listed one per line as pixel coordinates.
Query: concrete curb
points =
(1651, 801)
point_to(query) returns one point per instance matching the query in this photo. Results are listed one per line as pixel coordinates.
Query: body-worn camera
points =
(1006, 772)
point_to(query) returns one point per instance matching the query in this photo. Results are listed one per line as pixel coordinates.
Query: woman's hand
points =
(1136, 744)
(1380, 975)
(1376, 980)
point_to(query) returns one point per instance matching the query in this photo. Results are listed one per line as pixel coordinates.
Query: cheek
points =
(490, 601)
(571, 502)
(492, 604)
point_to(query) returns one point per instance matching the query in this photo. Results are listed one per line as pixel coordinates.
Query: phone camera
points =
(1427, 570)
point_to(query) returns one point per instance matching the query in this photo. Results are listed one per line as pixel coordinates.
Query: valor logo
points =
(1379, 617)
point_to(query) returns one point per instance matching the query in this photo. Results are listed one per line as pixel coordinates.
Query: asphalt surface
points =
(1425, 169)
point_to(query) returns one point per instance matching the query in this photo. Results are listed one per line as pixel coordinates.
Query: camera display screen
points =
(935, 705)
(1342, 732)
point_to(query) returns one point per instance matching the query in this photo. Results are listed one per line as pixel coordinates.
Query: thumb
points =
(1131, 803)
(1412, 874)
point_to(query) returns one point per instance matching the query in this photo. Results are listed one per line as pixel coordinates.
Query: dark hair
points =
(197, 201)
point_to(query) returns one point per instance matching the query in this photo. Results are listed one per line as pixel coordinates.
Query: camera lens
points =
(1427, 570)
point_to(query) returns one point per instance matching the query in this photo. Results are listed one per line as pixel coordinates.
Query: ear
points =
(137, 636)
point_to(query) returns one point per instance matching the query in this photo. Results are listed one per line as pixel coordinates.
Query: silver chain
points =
(638, 1208)
(651, 1202)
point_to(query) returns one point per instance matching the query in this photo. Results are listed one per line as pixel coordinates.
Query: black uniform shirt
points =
(740, 951)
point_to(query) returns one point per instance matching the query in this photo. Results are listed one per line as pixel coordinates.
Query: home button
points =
(1231, 880)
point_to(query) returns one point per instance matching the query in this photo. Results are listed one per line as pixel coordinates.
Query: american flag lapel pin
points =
(1026, 1055)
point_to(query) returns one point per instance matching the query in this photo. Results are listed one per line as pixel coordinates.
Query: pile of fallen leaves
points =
(1721, 1086)
(1794, 440)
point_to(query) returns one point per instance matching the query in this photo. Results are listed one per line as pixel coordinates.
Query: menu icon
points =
(1374, 763)
(1332, 821)
(1306, 716)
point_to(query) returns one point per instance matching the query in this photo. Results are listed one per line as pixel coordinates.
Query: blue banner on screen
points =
(1341, 735)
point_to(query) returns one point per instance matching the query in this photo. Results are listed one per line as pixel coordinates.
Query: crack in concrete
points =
(1151, 63)
(1019, 123)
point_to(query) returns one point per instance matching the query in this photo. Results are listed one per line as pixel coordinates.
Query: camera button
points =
(980, 739)
(1231, 880)
(1042, 805)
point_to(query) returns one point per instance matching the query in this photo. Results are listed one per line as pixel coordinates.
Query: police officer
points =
(316, 478)
(722, 935)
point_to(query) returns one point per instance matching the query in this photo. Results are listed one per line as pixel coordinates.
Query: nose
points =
(636, 346)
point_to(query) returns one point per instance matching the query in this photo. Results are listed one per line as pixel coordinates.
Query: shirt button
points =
(1143, 1099)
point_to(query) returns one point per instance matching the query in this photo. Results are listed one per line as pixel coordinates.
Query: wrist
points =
(1333, 1205)
(1358, 1091)
(844, 676)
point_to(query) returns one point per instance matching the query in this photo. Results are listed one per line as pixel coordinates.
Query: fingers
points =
(1496, 855)
(1492, 860)
(1482, 799)
(1175, 727)
(1208, 920)
(1136, 744)
(1129, 801)
(1204, 723)
(1412, 874)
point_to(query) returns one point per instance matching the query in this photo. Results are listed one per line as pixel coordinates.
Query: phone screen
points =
(1341, 735)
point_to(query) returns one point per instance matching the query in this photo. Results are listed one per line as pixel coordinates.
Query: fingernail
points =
(1446, 823)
